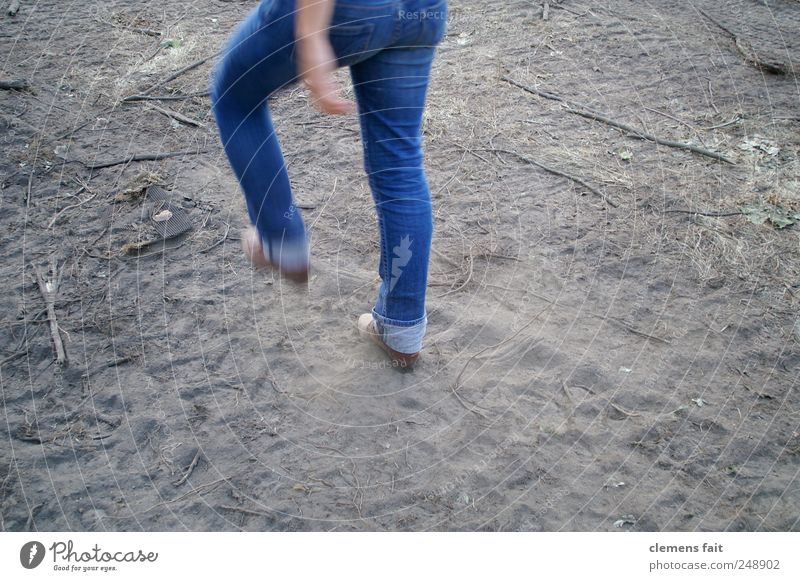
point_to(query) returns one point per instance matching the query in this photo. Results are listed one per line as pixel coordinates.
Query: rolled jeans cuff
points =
(403, 337)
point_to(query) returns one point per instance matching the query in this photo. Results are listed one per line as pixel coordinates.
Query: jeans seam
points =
(398, 22)
(384, 252)
(384, 320)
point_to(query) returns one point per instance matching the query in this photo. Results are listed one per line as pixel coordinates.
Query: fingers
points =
(317, 62)
(325, 96)
(336, 106)
(332, 104)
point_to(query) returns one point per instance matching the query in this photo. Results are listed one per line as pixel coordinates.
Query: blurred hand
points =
(317, 61)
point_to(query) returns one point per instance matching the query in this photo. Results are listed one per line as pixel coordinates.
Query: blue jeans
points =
(389, 46)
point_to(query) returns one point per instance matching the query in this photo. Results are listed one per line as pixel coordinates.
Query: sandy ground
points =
(589, 366)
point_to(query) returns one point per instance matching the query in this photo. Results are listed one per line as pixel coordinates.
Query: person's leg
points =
(390, 88)
(257, 61)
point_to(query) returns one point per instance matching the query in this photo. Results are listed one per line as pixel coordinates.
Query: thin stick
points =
(464, 404)
(29, 189)
(553, 302)
(133, 98)
(735, 119)
(189, 469)
(245, 510)
(78, 205)
(471, 260)
(571, 11)
(725, 29)
(178, 117)
(623, 411)
(490, 347)
(49, 290)
(667, 115)
(587, 112)
(29, 523)
(546, 10)
(698, 213)
(471, 152)
(617, 407)
(140, 157)
(191, 492)
(174, 76)
(747, 52)
(218, 242)
(534, 91)
(711, 97)
(145, 31)
(455, 387)
(566, 393)
(71, 132)
(649, 137)
(3, 496)
(556, 172)
(637, 331)
(446, 258)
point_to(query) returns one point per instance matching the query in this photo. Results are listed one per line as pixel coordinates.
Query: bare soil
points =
(588, 366)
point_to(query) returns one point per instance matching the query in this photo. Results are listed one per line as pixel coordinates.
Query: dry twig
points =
(247, 511)
(699, 213)
(70, 207)
(140, 157)
(555, 303)
(189, 470)
(587, 112)
(556, 172)
(178, 116)
(457, 385)
(133, 98)
(172, 77)
(49, 289)
(748, 53)
(197, 490)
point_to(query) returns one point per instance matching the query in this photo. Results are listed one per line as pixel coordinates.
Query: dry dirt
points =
(588, 366)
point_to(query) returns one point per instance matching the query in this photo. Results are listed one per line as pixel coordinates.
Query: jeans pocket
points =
(350, 42)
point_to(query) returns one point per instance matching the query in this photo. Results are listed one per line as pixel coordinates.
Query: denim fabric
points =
(389, 46)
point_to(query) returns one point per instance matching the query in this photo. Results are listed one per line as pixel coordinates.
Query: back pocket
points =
(350, 42)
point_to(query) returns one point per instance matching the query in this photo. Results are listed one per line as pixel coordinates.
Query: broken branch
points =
(554, 171)
(748, 53)
(178, 116)
(587, 112)
(173, 76)
(49, 290)
(139, 157)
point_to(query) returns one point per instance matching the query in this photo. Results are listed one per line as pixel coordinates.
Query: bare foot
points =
(254, 250)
